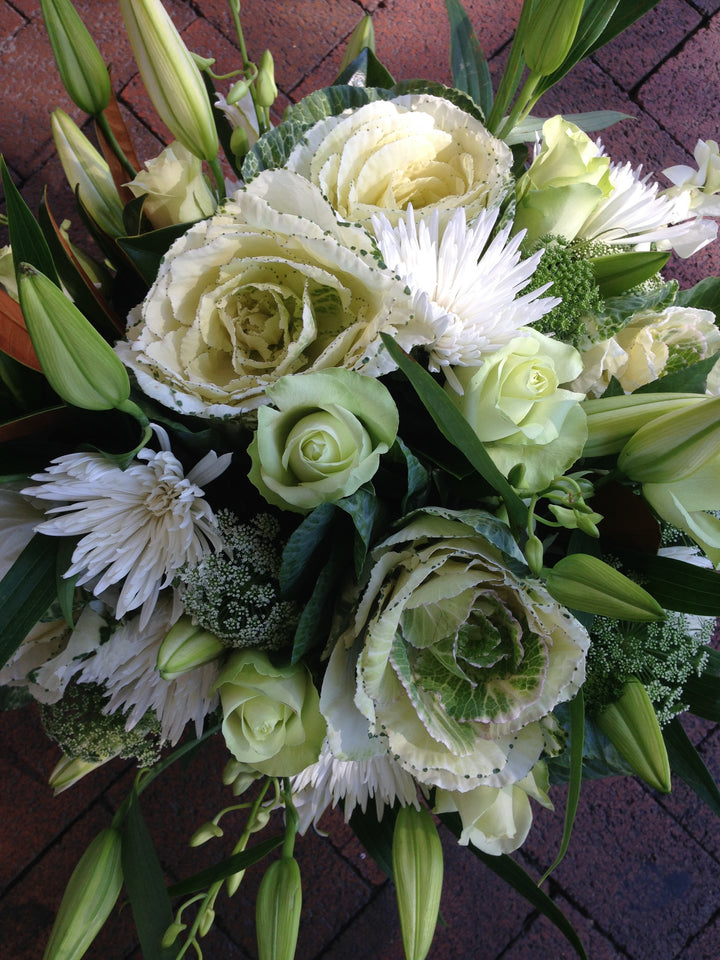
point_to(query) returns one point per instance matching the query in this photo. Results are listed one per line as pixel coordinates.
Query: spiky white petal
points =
(330, 780)
(466, 284)
(137, 526)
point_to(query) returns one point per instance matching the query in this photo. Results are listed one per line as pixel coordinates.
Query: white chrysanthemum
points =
(354, 782)
(634, 213)
(126, 666)
(465, 284)
(137, 526)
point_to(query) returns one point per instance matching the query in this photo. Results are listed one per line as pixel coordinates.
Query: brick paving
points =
(642, 878)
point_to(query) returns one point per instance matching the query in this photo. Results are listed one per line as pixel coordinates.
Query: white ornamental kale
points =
(454, 659)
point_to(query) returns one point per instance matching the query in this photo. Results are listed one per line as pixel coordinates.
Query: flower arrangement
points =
(380, 450)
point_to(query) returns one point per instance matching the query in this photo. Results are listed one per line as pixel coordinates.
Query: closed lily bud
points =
(171, 76)
(79, 62)
(617, 272)
(80, 366)
(277, 911)
(68, 770)
(362, 37)
(632, 727)
(418, 871)
(674, 446)
(583, 582)
(88, 173)
(265, 89)
(550, 34)
(88, 899)
(185, 647)
(611, 421)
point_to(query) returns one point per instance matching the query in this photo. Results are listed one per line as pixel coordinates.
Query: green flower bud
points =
(418, 871)
(88, 899)
(79, 62)
(362, 38)
(632, 727)
(586, 583)
(550, 34)
(208, 831)
(237, 91)
(185, 647)
(611, 421)
(79, 365)
(277, 911)
(265, 89)
(206, 921)
(675, 446)
(534, 554)
(617, 272)
(239, 142)
(171, 76)
(88, 173)
(171, 934)
(68, 770)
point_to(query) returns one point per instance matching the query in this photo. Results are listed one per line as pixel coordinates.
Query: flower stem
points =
(102, 122)
(218, 177)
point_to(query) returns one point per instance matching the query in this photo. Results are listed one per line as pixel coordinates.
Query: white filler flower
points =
(466, 284)
(138, 525)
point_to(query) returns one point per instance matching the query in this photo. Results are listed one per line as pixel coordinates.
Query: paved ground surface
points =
(642, 879)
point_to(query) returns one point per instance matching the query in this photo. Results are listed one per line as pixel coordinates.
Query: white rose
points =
(416, 149)
(174, 188)
(270, 286)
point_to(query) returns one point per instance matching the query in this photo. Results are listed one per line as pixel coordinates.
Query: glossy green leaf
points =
(221, 871)
(686, 763)
(692, 379)
(676, 585)
(704, 295)
(315, 618)
(470, 71)
(366, 71)
(512, 873)
(457, 430)
(26, 238)
(301, 546)
(146, 250)
(144, 883)
(26, 592)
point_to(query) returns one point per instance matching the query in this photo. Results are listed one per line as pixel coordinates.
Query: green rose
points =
(454, 659)
(271, 718)
(516, 406)
(564, 184)
(324, 440)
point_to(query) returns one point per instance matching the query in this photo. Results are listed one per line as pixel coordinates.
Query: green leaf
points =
(143, 878)
(26, 592)
(470, 71)
(65, 586)
(692, 379)
(363, 509)
(302, 544)
(146, 250)
(704, 295)
(418, 479)
(26, 238)
(513, 874)
(600, 758)
(376, 835)
(676, 585)
(457, 430)
(687, 764)
(220, 871)
(312, 626)
(702, 693)
(577, 749)
(13, 698)
(365, 71)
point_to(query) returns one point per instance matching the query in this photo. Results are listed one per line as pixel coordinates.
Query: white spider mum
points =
(126, 666)
(635, 213)
(136, 526)
(466, 284)
(330, 780)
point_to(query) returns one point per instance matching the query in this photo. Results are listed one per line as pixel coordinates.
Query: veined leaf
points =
(513, 874)
(457, 430)
(686, 763)
(26, 592)
(470, 70)
(145, 885)
(220, 871)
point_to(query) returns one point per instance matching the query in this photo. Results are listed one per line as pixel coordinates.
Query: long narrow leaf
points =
(234, 864)
(457, 430)
(686, 763)
(26, 238)
(143, 877)
(577, 748)
(376, 835)
(675, 584)
(513, 874)
(26, 592)
(470, 71)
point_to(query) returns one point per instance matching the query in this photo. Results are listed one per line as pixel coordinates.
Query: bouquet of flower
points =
(372, 441)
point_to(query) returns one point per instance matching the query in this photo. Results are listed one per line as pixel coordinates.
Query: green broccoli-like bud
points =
(565, 265)
(236, 594)
(663, 655)
(77, 722)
